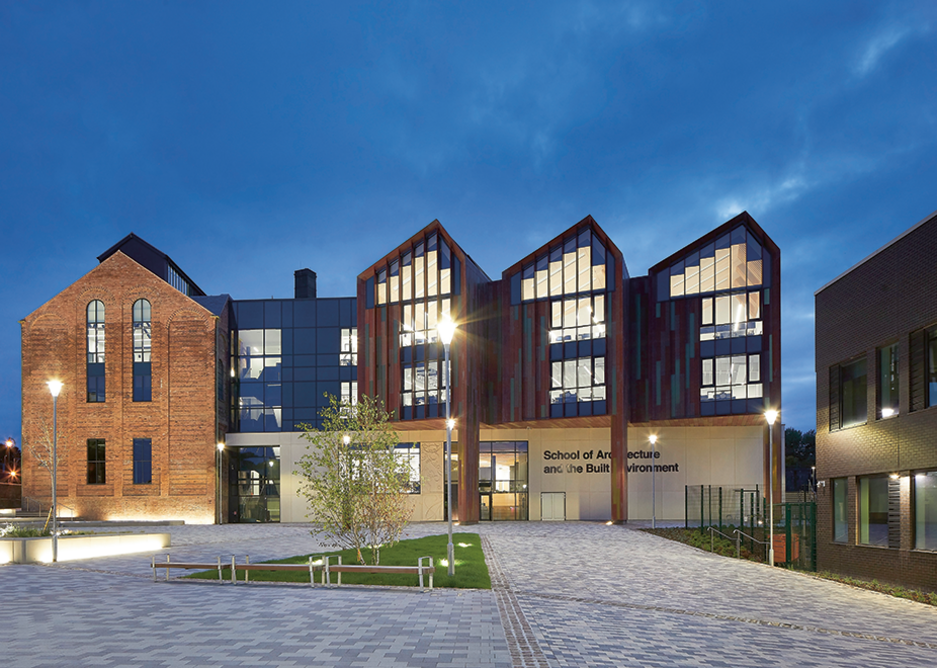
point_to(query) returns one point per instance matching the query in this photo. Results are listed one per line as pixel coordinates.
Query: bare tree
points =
(353, 479)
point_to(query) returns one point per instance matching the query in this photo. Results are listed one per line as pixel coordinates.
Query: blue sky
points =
(247, 140)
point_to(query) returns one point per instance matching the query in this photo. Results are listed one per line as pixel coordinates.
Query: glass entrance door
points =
(502, 480)
(254, 475)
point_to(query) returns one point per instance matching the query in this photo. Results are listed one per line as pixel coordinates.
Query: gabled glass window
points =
(95, 345)
(142, 335)
(577, 265)
(735, 260)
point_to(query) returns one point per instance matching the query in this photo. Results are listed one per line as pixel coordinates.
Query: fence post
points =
(720, 509)
(787, 532)
(702, 515)
(686, 506)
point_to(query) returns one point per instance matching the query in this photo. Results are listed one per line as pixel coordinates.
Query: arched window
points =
(142, 374)
(95, 359)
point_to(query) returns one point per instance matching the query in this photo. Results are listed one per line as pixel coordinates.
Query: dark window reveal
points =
(97, 469)
(142, 461)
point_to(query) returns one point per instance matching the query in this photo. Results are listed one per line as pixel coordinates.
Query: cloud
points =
(877, 47)
(764, 197)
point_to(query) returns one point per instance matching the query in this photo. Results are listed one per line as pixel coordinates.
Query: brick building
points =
(140, 352)
(561, 370)
(876, 363)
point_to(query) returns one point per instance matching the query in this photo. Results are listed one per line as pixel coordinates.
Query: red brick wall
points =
(880, 302)
(181, 419)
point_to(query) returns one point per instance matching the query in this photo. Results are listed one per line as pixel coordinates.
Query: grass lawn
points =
(470, 569)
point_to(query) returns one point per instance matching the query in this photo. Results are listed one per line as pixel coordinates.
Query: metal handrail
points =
(738, 542)
(712, 538)
(27, 500)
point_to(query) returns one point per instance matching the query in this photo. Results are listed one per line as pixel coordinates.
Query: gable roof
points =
(151, 258)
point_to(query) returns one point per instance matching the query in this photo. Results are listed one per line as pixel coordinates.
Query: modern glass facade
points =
(290, 354)
(502, 480)
(254, 484)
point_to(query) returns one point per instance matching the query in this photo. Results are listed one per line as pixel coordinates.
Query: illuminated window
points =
(142, 334)
(577, 318)
(350, 392)
(576, 266)
(733, 261)
(577, 380)
(731, 377)
(408, 457)
(731, 315)
(95, 360)
(349, 344)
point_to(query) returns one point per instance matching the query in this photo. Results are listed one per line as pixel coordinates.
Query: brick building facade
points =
(876, 364)
(126, 451)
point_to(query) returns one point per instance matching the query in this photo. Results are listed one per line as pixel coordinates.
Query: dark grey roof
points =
(214, 303)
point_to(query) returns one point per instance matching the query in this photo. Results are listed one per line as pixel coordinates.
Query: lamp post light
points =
(446, 330)
(653, 439)
(771, 416)
(55, 386)
(220, 447)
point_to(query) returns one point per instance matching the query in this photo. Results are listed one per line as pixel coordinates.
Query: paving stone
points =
(564, 594)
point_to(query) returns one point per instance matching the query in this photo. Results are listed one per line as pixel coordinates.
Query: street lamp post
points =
(55, 386)
(771, 416)
(653, 439)
(220, 458)
(446, 330)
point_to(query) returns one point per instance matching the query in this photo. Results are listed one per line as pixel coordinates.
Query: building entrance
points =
(502, 480)
(254, 484)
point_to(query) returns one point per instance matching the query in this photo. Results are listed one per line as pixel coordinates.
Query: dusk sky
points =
(247, 140)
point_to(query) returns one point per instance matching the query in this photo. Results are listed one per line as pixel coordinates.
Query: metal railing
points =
(738, 543)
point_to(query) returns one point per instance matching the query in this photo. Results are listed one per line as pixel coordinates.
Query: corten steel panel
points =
(525, 358)
(887, 298)
(379, 368)
(668, 385)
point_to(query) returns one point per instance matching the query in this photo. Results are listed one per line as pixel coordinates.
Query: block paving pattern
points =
(563, 594)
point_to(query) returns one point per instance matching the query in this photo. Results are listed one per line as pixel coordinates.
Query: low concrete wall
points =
(71, 548)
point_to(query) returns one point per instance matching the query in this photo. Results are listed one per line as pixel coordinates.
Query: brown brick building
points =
(143, 403)
(876, 363)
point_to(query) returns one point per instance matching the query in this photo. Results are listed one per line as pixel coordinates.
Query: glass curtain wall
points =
(254, 484)
(502, 480)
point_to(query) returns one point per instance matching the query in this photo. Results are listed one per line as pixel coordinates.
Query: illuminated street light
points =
(55, 387)
(771, 416)
(220, 447)
(446, 330)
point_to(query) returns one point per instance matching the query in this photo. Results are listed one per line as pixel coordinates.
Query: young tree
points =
(352, 478)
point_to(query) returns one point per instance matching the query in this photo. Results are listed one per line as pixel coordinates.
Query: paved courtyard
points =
(565, 594)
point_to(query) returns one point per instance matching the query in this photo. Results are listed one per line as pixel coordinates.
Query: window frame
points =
(97, 466)
(142, 467)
